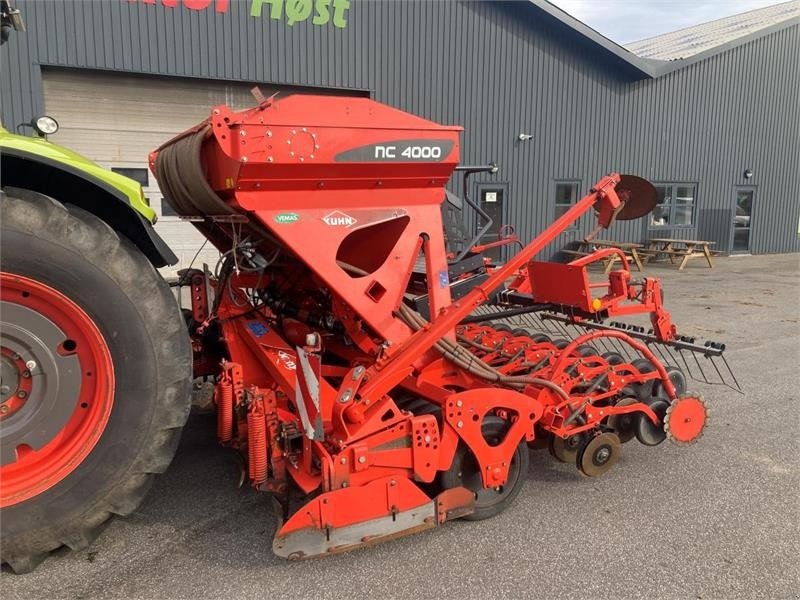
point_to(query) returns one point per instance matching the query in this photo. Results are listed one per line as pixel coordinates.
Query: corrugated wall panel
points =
(499, 69)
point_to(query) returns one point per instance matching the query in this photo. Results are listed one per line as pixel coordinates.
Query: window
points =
(138, 175)
(566, 197)
(675, 206)
(166, 209)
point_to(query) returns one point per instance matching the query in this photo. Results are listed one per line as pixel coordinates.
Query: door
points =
(492, 202)
(742, 222)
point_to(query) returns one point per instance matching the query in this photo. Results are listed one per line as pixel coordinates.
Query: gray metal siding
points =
(498, 70)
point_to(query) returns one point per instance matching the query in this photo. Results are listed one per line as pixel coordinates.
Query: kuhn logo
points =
(339, 219)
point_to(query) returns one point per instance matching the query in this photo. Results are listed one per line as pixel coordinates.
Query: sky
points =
(625, 21)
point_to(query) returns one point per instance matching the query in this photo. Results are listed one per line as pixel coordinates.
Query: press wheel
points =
(565, 450)
(464, 471)
(623, 425)
(647, 432)
(598, 454)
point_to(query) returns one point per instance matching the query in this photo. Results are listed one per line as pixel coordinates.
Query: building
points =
(711, 114)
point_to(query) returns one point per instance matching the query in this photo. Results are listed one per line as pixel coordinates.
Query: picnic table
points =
(683, 249)
(631, 250)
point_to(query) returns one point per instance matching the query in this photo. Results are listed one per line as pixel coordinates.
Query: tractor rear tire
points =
(67, 272)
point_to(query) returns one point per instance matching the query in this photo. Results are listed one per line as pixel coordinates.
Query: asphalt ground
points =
(719, 519)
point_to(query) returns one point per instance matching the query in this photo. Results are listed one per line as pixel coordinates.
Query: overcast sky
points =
(630, 20)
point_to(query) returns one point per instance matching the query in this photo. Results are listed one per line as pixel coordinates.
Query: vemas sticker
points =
(288, 217)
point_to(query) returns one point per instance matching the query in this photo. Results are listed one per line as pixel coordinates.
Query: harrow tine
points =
(606, 346)
(558, 328)
(654, 348)
(547, 327)
(685, 364)
(666, 356)
(733, 375)
(689, 370)
(705, 377)
(621, 349)
(674, 359)
(738, 387)
(716, 368)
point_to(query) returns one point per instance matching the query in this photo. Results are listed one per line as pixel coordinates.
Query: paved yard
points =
(720, 519)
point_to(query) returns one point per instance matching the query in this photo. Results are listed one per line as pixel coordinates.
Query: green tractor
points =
(95, 357)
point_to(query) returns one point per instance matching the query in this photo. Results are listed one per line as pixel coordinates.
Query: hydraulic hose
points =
(471, 363)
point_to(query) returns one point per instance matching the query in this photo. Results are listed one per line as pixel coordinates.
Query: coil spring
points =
(225, 411)
(257, 443)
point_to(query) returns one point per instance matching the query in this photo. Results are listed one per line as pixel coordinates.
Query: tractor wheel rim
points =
(57, 388)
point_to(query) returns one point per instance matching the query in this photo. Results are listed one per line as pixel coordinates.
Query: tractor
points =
(362, 366)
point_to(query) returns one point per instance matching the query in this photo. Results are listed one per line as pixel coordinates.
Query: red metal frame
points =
(318, 356)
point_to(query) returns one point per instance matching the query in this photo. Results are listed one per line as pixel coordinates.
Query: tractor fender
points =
(69, 184)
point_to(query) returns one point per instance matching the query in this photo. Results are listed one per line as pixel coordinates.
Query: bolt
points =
(348, 393)
(3, 409)
(26, 374)
(427, 439)
(357, 372)
(362, 459)
(294, 131)
(22, 394)
(392, 483)
(459, 403)
(31, 364)
(460, 424)
(343, 460)
(242, 133)
(269, 133)
(344, 484)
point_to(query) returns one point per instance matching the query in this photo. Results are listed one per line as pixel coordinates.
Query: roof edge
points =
(643, 66)
(668, 66)
(651, 68)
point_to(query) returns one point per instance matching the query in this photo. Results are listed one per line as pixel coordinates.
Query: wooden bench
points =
(683, 249)
(632, 251)
(608, 263)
